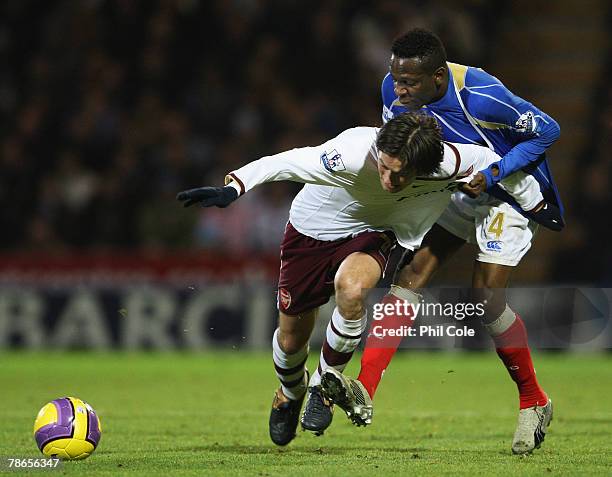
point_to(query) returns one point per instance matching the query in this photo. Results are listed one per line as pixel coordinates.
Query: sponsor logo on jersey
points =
(284, 298)
(332, 161)
(526, 123)
(448, 187)
(494, 245)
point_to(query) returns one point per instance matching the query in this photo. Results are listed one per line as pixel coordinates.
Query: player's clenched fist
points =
(475, 187)
(208, 196)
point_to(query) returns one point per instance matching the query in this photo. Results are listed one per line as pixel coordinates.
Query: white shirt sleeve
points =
(334, 163)
(523, 187)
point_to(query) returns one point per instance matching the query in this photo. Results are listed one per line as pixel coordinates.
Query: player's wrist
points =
(492, 174)
(232, 181)
(228, 194)
(233, 185)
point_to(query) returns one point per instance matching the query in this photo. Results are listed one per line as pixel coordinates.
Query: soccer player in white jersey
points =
(472, 107)
(364, 190)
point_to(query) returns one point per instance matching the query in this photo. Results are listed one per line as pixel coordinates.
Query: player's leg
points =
(438, 246)
(358, 272)
(510, 337)
(512, 234)
(354, 396)
(289, 353)
(290, 348)
(448, 235)
(302, 288)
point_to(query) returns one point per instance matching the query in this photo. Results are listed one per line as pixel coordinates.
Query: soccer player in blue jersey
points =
(472, 107)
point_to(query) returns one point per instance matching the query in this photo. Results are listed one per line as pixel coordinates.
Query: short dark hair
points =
(421, 44)
(415, 139)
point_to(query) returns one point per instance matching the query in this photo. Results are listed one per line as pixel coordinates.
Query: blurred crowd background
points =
(109, 108)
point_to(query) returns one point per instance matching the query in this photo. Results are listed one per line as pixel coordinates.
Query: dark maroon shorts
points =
(308, 266)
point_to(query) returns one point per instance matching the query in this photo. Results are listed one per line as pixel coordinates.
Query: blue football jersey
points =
(478, 109)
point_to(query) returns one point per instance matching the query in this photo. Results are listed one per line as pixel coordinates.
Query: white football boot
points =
(349, 395)
(531, 429)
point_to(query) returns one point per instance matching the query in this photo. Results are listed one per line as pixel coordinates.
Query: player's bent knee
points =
(294, 331)
(492, 299)
(489, 287)
(350, 292)
(291, 343)
(419, 269)
(415, 273)
(356, 275)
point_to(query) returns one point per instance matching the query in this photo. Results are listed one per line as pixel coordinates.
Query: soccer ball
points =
(67, 428)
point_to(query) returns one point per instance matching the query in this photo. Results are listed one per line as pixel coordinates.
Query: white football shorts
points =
(502, 234)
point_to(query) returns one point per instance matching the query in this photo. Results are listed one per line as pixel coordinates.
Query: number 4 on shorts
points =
(497, 225)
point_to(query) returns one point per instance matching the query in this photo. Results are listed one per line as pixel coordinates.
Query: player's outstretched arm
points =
(208, 196)
(334, 163)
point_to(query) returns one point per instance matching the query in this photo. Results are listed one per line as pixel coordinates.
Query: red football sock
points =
(379, 351)
(513, 349)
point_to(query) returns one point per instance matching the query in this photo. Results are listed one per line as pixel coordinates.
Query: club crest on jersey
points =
(332, 161)
(526, 123)
(284, 298)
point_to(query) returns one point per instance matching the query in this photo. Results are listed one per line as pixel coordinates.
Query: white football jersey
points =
(343, 195)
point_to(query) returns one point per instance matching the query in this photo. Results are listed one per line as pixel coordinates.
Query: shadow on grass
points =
(355, 451)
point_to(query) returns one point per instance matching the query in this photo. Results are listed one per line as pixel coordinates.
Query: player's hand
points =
(548, 215)
(475, 187)
(208, 196)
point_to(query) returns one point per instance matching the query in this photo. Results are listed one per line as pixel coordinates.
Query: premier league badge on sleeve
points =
(526, 123)
(332, 161)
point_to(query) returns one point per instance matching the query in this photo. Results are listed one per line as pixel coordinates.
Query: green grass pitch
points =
(206, 414)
